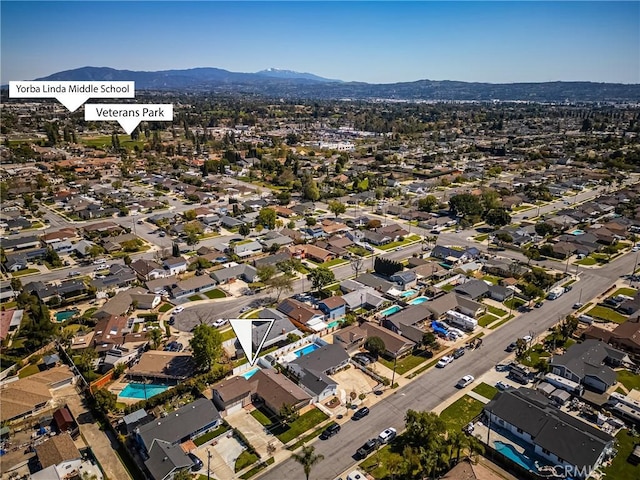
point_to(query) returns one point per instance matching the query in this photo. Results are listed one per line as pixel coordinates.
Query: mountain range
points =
(294, 85)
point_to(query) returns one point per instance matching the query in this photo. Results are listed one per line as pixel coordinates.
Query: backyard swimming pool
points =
(513, 455)
(62, 316)
(577, 232)
(142, 391)
(419, 300)
(391, 310)
(408, 293)
(250, 373)
(306, 350)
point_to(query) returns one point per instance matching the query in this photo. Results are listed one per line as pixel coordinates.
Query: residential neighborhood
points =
(478, 282)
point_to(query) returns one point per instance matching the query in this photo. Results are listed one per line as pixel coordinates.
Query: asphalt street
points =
(435, 386)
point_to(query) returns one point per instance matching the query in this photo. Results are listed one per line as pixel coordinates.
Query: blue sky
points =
(379, 42)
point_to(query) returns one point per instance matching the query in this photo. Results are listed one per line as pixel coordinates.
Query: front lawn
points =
(376, 464)
(448, 287)
(216, 293)
(496, 311)
(628, 379)
(244, 460)
(165, 307)
(228, 335)
(587, 261)
(404, 364)
(492, 279)
(461, 412)
(26, 271)
(620, 468)
(513, 303)
(481, 238)
(532, 356)
(408, 240)
(487, 391)
(486, 319)
(629, 292)
(195, 298)
(305, 422)
(334, 262)
(605, 313)
(212, 434)
(501, 322)
(261, 417)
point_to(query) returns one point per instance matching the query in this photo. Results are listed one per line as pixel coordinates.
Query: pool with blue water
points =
(419, 300)
(391, 310)
(142, 391)
(515, 456)
(306, 350)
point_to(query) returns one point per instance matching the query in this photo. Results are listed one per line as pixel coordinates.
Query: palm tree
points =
(307, 458)
(156, 337)
(458, 441)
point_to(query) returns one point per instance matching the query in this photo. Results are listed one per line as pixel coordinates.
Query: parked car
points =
(363, 359)
(197, 463)
(245, 309)
(178, 309)
(538, 304)
(577, 305)
(387, 435)
(219, 323)
(465, 381)
(511, 347)
(330, 431)
(458, 353)
(444, 361)
(368, 447)
(361, 413)
(568, 288)
(502, 386)
(501, 367)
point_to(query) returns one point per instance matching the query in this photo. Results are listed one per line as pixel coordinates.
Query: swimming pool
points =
(513, 455)
(62, 316)
(391, 310)
(577, 232)
(333, 324)
(142, 391)
(419, 300)
(248, 374)
(306, 350)
(408, 293)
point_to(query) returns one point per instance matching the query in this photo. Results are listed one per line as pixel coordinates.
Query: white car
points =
(220, 322)
(178, 309)
(387, 435)
(502, 385)
(444, 361)
(527, 338)
(465, 381)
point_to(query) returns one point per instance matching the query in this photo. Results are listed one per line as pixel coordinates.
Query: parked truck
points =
(457, 319)
(555, 293)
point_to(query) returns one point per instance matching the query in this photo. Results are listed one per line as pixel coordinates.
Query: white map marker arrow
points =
(244, 330)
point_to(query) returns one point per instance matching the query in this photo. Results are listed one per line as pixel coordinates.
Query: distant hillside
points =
(287, 84)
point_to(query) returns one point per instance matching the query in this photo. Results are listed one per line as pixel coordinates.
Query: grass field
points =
(491, 278)
(498, 312)
(228, 335)
(376, 464)
(305, 422)
(245, 459)
(195, 298)
(628, 379)
(461, 412)
(620, 468)
(501, 322)
(26, 271)
(105, 141)
(405, 364)
(212, 434)
(165, 307)
(334, 262)
(487, 391)
(486, 319)
(587, 261)
(28, 370)
(629, 292)
(216, 293)
(605, 313)
(408, 240)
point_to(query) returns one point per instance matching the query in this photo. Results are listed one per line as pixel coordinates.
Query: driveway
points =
(254, 431)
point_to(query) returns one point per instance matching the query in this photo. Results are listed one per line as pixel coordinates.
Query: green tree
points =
(267, 218)
(155, 335)
(337, 208)
(320, 277)
(105, 400)
(544, 229)
(307, 458)
(427, 204)
(206, 345)
(429, 340)
(192, 231)
(94, 251)
(375, 346)
(266, 272)
(127, 260)
(280, 283)
(497, 217)
(466, 205)
(288, 414)
(311, 191)
(183, 475)
(244, 230)
(310, 221)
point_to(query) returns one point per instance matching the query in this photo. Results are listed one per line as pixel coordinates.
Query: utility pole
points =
(208, 464)
(393, 377)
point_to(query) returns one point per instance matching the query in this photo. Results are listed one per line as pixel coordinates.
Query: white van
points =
(356, 475)
(99, 261)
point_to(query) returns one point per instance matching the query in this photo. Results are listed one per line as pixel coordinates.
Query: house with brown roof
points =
(233, 394)
(350, 338)
(283, 211)
(311, 252)
(61, 235)
(148, 269)
(274, 390)
(625, 336)
(113, 331)
(60, 451)
(302, 315)
(395, 345)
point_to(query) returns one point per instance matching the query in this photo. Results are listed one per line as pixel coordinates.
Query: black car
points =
(362, 358)
(361, 413)
(511, 347)
(197, 463)
(458, 353)
(330, 431)
(538, 305)
(367, 448)
(568, 288)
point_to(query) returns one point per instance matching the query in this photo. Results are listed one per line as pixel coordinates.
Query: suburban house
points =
(625, 336)
(589, 363)
(375, 282)
(302, 315)
(58, 455)
(396, 345)
(556, 436)
(333, 307)
(10, 321)
(281, 328)
(186, 423)
(363, 297)
(166, 459)
(500, 293)
(193, 285)
(232, 395)
(473, 289)
(311, 252)
(234, 272)
(282, 256)
(175, 265)
(122, 302)
(274, 390)
(408, 322)
(148, 269)
(351, 338)
(405, 280)
(312, 370)
(113, 331)
(247, 248)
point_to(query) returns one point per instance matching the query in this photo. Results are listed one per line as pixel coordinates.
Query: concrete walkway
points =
(254, 431)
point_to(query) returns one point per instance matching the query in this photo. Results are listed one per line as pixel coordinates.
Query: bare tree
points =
(356, 264)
